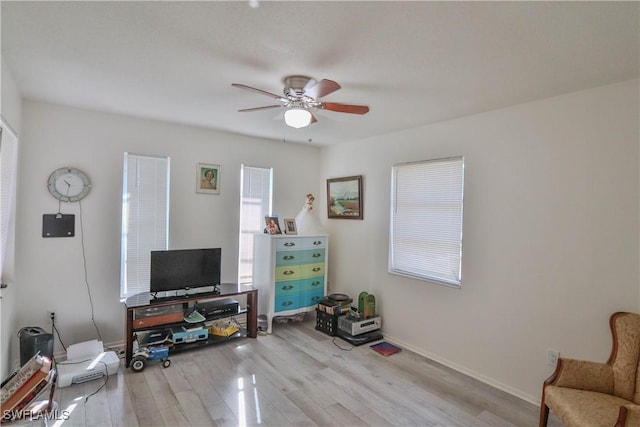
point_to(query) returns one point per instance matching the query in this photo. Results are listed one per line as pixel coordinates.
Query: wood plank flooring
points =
(296, 376)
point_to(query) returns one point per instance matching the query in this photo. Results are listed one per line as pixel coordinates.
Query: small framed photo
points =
(290, 226)
(272, 226)
(344, 197)
(207, 178)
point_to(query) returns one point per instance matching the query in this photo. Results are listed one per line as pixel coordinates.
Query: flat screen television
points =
(180, 269)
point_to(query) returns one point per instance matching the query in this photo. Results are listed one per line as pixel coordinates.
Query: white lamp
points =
(297, 117)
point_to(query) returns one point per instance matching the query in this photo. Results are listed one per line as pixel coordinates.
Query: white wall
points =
(551, 224)
(50, 270)
(11, 102)
(550, 235)
(11, 110)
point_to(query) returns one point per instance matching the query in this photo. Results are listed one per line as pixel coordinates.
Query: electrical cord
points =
(86, 277)
(106, 380)
(341, 348)
(55, 331)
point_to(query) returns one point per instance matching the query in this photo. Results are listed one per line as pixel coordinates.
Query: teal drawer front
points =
(312, 284)
(312, 298)
(292, 301)
(287, 302)
(293, 294)
(299, 257)
(314, 255)
(289, 257)
(289, 287)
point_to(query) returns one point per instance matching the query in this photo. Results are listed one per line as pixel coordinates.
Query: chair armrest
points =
(583, 375)
(629, 416)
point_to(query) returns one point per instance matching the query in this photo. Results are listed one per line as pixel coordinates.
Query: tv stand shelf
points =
(171, 315)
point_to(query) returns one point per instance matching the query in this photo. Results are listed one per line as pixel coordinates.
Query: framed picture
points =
(272, 226)
(344, 197)
(290, 226)
(207, 178)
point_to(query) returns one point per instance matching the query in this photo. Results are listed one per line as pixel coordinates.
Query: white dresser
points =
(290, 273)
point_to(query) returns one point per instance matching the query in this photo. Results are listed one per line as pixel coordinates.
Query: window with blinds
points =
(426, 220)
(8, 172)
(145, 218)
(256, 186)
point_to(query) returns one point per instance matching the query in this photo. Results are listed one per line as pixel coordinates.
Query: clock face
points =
(69, 184)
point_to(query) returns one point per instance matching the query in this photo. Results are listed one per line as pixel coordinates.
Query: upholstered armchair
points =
(583, 393)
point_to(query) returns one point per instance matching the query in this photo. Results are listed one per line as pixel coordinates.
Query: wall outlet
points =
(51, 315)
(552, 357)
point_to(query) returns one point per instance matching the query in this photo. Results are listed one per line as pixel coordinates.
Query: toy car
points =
(144, 354)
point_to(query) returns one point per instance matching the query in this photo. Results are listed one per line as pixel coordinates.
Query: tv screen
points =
(184, 268)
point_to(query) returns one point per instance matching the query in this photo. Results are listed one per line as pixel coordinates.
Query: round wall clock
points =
(69, 184)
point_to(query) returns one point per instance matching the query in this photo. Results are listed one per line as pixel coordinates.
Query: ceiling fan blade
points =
(268, 107)
(322, 88)
(345, 108)
(313, 119)
(253, 89)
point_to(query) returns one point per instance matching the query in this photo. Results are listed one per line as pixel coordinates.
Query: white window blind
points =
(145, 218)
(8, 172)
(255, 203)
(426, 220)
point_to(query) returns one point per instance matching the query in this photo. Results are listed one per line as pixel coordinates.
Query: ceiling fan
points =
(301, 95)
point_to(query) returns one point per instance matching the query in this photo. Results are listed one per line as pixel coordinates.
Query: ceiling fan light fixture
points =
(297, 117)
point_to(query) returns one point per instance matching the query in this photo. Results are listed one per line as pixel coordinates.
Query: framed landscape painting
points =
(344, 197)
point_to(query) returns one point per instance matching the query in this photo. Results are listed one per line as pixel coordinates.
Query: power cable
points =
(106, 380)
(338, 345)
(86, 276)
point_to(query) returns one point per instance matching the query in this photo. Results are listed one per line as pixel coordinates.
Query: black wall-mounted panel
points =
(58, 225)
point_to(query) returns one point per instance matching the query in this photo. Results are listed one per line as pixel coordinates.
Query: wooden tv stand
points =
(140, 318)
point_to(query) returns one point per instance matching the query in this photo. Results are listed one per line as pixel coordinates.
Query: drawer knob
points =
(316, 255)
(316, 269)
(288, 273)
(316, 283)
(289, 244)
(317, 242)
(287, 287)
(287, 303)
(288, 257)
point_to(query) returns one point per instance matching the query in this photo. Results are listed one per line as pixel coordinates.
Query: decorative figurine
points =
(307, 221)
(308, 205)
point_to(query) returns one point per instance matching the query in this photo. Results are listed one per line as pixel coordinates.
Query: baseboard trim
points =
(470, 373)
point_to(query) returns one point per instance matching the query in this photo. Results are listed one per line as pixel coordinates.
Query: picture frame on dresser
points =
(344, 197)
(290, 227)
(272, 225)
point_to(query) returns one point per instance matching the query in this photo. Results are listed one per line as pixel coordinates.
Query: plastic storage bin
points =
(327, 323)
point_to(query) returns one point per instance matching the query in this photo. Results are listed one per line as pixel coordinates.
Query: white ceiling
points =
(412, 63)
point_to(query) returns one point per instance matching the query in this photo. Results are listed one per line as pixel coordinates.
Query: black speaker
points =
(34, 340)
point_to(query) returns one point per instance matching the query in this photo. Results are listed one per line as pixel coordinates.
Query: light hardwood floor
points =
(296, 376)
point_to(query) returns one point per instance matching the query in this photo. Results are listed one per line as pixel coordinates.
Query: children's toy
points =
(143, 354)
(224, 327)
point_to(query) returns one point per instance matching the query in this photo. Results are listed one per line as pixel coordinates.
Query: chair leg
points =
(544, 414)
